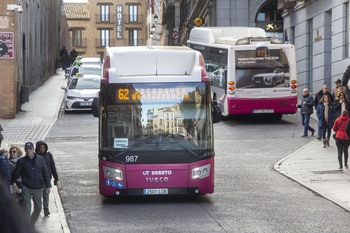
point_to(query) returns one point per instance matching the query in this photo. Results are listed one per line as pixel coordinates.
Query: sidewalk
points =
(316, 168)
(33, 124)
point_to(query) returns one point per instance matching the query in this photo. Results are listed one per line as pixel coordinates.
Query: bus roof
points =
(163, 62)
(224, 35)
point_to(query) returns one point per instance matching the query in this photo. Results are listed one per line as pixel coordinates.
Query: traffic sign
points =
(198, 21)
(175, 35)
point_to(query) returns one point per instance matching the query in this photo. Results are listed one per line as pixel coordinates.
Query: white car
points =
(87, 61)
(269, 79)
(80, 92)
(84, 70)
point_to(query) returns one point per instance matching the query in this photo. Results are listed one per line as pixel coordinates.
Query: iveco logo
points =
(157, 179)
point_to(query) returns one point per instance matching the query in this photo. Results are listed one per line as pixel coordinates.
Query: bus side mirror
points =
(94, 107)
(216, 112)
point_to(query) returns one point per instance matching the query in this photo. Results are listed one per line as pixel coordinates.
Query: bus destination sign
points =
(262, 52)
(127, 94)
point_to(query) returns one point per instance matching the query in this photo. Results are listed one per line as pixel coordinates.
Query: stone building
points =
(30, 41)
(180, 15)
(96, 24)
(320, 32)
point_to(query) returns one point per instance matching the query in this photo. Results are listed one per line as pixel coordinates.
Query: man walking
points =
(324, 91)
(306, 110)
(31, 171)
(338, 88)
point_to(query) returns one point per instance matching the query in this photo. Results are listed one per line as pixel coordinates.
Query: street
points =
(249, 195)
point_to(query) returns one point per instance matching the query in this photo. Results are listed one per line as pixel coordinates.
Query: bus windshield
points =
(158, 122)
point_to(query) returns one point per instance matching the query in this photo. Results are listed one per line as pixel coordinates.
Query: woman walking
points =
(326, 116)
(341, 103)
(342, 140)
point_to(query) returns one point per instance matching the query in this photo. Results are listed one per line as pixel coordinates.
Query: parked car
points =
(269, 79)
(84, 70)
(87, 61)
(80, 92)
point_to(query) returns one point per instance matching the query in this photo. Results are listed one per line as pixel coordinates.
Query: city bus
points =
(249, 72)
(155, 122)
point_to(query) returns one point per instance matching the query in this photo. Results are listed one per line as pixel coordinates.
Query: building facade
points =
(97, 24)
(28, 28)
(320, 32)
(183, 15)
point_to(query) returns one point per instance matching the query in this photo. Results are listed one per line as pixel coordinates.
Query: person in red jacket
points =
(341, 138)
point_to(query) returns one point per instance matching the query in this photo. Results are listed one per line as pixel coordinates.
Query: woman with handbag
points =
(326, 115)
(341, 103)
(342, 140)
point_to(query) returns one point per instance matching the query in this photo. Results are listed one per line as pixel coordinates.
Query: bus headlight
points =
(201, 172)
(112, 173)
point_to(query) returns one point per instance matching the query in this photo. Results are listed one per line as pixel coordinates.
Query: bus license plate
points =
(263, 111)
(155, 191)
(86, 104)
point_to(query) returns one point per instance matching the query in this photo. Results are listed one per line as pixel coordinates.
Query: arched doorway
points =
(270, 19)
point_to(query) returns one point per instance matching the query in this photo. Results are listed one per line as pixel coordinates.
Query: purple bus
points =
(155, 123)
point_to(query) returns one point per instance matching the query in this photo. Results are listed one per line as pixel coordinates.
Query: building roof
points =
(77, 10)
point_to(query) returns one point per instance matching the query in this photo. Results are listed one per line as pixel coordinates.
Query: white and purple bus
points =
(250, 73)
(155, 122)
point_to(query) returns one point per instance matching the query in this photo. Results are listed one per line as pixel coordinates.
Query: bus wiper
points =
(191, 152)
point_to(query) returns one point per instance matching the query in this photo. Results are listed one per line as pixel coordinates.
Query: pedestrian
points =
(5, 169)
(73, 54)
(338, 87)
(341, 103)
(345, 80)
(326, 116)
(41, 149)
(15, 154)
(31, 171)
(317, 99)
(306, 109)
(342, 140)
(1, 136)
(66, 61)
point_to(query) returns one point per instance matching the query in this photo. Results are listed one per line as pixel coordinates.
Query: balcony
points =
(139, 19)
(102, 19)
(103, 43)
(79, 43)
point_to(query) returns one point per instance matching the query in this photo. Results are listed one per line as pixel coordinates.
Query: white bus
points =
(250, 73)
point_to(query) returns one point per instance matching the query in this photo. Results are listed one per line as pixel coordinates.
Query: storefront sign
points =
(6, 45)
(119, 22)
(271, 26)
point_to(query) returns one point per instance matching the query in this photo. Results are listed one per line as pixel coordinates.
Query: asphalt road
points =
(249, 195)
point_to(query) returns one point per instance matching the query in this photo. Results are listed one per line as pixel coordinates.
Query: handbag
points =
(336, 131)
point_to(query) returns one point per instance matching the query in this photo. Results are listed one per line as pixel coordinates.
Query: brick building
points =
(97, 24)
(28, 28)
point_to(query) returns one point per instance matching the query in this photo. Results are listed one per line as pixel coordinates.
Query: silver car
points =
(80, 92)
(269, 79)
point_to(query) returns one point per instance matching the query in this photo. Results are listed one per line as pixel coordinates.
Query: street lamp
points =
(151, 35)
(153, 28)
(155, 18)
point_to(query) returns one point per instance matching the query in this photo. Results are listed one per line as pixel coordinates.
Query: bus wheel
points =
(277, 116)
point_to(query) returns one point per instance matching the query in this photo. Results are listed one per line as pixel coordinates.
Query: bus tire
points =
(278, 116)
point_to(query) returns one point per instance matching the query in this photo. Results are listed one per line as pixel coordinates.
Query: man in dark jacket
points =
(31, 172)
(5, 169)
(41, 149)
(306, 110)
(324, 91)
